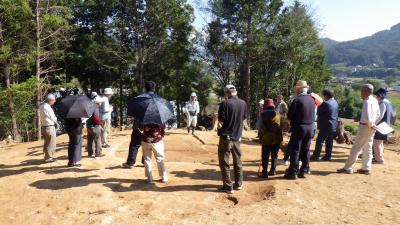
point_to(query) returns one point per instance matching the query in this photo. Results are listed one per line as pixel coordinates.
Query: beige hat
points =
(193, 95)
(108, 91)
(301, 84)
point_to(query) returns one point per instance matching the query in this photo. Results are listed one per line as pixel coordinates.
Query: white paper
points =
(384, 128)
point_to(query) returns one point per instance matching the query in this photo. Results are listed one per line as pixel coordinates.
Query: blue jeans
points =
(327, 137)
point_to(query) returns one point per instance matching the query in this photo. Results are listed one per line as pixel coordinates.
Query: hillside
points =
(382, 49)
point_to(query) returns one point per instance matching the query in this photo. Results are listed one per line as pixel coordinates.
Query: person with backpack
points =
(386, 112)
(271, 138)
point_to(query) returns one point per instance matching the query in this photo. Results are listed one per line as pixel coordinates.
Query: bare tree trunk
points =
(139, 65)
(247, 68)
(121, 109)
(15, 133)
(38, 72)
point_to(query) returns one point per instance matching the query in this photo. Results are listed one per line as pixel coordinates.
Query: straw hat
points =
(193, 95)
(301, 84)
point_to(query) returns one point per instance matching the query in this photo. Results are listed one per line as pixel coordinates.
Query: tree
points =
(52, 29)
(244, 24)
(15, 46)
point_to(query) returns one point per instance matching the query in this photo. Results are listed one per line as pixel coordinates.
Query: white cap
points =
(50, 97)
(230, 88)
(108, 91)
(94, 94)
(193, 95)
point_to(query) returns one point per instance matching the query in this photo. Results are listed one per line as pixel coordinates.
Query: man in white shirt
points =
(363, 143)
(193, 108)
(105, 113)
(49, 126)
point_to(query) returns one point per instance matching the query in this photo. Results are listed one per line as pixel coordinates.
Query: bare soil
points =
(102, 192)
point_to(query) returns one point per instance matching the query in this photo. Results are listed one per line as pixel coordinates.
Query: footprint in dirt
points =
(252, 193)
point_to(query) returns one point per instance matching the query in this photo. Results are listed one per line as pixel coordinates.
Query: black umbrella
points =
(76, 106)
(150, 108)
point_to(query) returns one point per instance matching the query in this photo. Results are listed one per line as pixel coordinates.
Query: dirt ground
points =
(101, 192)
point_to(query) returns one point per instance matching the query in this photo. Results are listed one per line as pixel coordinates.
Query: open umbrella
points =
(150, 108)
(76, 106)
(317, 99)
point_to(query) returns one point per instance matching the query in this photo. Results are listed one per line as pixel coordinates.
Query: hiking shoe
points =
(237, 187)
(365, 172)
(127, 165)
(290, 176)
(227, 189)
(301, 175)
(343, 170)
(326, 158)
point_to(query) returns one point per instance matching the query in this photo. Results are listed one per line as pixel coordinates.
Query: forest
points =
(261, 46)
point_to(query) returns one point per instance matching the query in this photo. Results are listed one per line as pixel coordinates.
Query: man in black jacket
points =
(231, 114)
(302, 116)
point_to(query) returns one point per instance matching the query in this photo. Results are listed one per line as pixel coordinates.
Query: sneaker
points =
(237, 187)
(343, 170)
(164, 180)
(314, 159)
(365, 172)
(127, 165)
(272, 173)
(150, 181)
(227, 189)
(50, 160)
(106, 146)
(265, 176)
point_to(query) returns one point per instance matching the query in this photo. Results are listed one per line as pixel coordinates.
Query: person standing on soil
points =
(94, 132)
(302, 116)
(152, 143)
(231, 114)
(105, 112)
(385, 112)
(136, 136)
(282, 109)
(74, 130)
(271, 138)
(327, 120)
(49, 125)
(193, 109)
(370, 113)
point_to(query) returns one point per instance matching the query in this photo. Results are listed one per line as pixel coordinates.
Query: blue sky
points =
(341, 20)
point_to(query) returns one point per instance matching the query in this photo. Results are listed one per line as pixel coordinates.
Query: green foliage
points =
(352, 128)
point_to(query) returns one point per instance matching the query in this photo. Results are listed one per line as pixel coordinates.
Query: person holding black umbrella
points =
(136, 136)
(75, 107)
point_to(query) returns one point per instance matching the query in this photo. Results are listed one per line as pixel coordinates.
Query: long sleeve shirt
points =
(370, 111)
(106, 108)
(193, 106)
(47, 116)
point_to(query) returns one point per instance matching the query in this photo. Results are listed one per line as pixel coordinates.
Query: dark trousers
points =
(266, 151)
(299, 145)
(75, 146)
(327, 137)
(287, 153)
(225, 148)
(134, 145)
(94, 137)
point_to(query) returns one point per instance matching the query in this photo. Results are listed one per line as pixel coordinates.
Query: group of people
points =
(98, 127)
(304, 110)
(273, 122)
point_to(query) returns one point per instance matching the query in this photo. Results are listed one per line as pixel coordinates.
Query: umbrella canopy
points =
(150, 108)
(318, 100)
(76, 106)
